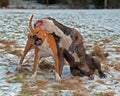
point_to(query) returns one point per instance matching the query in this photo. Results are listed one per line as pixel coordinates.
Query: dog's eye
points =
(30, 36)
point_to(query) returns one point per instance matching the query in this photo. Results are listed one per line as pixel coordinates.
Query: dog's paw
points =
(103, 75)
(91, 77)
(57, 77)
(33, 76)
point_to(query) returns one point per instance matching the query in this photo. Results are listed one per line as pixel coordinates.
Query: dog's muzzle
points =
(38, 41)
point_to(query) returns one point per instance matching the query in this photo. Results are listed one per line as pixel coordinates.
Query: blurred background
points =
(60, 4)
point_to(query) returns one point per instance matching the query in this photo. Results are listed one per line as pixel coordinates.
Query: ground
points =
(102, 26)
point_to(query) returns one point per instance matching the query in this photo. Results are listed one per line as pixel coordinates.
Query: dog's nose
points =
(35, 37)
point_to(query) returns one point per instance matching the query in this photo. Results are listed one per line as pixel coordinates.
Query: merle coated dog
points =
(75, 67)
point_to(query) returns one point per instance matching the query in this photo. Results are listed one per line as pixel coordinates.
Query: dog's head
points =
(36, 34)
(45, 24)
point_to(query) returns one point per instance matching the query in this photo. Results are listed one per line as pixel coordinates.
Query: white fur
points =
(66, 40)
(77, 59)
(50, 27)
(45, 50)
(33, 76)
(57, 77)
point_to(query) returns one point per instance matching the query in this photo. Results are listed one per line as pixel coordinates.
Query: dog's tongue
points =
(38, 42)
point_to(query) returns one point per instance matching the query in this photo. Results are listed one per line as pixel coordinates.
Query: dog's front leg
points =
(36, 62)
(57, 70)
(57, 66)
(61, 59)
(26, 50)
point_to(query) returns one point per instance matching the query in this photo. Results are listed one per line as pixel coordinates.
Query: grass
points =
(26, 92)
(117, 67)
(53, 93)
(10, 47)
(17, 78)
(98, 51)
(58, 87)
(104, 94)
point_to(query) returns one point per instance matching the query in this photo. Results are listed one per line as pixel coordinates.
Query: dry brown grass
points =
(75, 83)
(117, 49)
(101, 82)
(98, 51)
(105, 94)
(11, 47)
(88, 47)
(106, 41)
(30, 88)
(117, 67)
(106, 68)
(46, 66)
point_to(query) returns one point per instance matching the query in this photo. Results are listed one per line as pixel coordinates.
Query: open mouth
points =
(38, 41)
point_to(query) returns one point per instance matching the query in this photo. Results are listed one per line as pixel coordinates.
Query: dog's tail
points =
(30, 24)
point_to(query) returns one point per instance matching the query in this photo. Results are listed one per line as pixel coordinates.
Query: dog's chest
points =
(45, 49)
(65, 43)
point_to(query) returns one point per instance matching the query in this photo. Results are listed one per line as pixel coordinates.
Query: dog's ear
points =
(56, 37)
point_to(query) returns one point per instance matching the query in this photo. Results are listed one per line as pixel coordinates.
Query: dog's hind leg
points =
(26, 50)
(73, 65)
(98, 67)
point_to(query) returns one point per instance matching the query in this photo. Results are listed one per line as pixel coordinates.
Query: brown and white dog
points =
(44, 45)
(70, 40)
